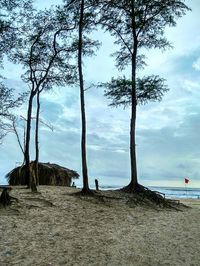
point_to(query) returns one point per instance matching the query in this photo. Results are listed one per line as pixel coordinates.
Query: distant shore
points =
(191, 202)
(54, 227)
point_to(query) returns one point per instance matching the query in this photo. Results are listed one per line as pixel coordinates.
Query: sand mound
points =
(54, 227)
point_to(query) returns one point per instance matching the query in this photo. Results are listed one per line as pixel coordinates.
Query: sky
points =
(167, 135)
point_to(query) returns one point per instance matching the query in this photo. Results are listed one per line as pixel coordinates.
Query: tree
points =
(7, 104)
(138, 24)
(44, 52)
(84, 14)
(82, 96)
(11, 12)
(149, 88)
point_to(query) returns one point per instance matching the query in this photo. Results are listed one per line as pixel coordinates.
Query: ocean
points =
(170, 192)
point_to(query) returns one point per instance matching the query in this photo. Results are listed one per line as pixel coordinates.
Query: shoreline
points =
(191, 202)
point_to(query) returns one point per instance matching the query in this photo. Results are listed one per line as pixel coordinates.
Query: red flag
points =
(186, 180)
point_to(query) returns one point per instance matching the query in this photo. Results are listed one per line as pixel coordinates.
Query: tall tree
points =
(138, 24)
(44, 51)
(84, 14)
(82, 98)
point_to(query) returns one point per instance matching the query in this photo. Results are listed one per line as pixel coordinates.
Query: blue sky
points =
(168, 145)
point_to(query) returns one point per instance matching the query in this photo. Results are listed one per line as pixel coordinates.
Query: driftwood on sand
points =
(49, 174)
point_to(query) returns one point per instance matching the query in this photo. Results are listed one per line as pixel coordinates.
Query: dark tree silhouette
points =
(84, 13)
(149, 88)
(11, 12)
(82, 98)
(138, 24)
(8, 103)
(44, 55)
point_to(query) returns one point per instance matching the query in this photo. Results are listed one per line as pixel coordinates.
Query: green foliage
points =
(139, 24)
(119, 91)
(8, 102)
(150, 88)
(89, 24)
(12, 13)
(44, 49)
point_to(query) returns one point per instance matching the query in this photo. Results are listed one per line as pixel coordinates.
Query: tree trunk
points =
(30, 179)
(134, 181)
(37, 139)
(86, 188)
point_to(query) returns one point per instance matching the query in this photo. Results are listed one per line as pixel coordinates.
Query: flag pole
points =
(186, 182)
(186, 190)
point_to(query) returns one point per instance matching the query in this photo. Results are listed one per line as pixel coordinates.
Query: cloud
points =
(170, 153)
(196, 64)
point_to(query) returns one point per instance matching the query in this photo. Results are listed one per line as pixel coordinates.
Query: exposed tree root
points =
(96, 195)
(85, 192)
(146, 196)
(5, 198)
(139, 196)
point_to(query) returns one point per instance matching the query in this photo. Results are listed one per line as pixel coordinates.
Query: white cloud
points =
(196, 64)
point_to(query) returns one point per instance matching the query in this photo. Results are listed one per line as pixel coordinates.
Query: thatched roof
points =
(49, 174)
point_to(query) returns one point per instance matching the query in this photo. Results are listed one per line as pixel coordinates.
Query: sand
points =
(57, 228)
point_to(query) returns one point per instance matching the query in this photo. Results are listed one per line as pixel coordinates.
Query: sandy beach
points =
(54, 227)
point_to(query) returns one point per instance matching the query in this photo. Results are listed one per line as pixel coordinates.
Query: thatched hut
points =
(49, 174)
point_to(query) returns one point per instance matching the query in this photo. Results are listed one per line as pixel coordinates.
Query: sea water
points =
(179, 192)
(170, 192)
